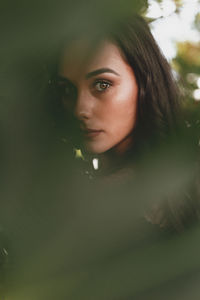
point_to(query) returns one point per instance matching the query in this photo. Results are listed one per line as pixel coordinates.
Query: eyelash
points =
(62, 87)
(102, 81)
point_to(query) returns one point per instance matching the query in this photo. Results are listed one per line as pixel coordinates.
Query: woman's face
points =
(99, 87)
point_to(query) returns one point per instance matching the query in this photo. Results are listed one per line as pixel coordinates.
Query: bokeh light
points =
(196, 94)
(170, 27)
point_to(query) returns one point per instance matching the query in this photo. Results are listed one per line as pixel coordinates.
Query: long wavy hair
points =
(158, 100)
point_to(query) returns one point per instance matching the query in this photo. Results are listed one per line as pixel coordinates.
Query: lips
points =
(89, 133)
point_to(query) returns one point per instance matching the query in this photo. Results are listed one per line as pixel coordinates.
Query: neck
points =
(115, 158)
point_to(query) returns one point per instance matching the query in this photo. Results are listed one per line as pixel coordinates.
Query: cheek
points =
(116, 115)
(122, 108)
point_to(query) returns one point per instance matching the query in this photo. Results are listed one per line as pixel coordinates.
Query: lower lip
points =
(92, 134)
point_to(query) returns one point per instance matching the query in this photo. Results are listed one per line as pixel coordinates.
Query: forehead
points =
(81, 57)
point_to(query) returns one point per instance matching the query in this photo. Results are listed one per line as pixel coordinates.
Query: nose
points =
(83, 107)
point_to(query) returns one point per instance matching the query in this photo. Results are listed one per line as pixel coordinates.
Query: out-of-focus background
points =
(176, 28)
(62, 237)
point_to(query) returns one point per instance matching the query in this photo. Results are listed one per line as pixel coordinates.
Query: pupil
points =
(103, 85)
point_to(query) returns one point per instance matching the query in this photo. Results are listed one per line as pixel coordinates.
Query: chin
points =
(95, 149)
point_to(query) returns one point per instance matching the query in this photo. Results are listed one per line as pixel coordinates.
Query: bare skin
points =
(101, 91)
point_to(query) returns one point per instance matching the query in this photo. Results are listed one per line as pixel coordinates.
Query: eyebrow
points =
(100, 71)
(90, 74)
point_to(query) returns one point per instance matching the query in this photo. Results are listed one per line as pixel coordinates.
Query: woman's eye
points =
(67, 91)
(102, 86)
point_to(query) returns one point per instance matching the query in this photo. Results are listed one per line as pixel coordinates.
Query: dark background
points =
(62, 237)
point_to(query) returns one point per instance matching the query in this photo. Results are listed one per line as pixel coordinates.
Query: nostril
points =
(81, 115)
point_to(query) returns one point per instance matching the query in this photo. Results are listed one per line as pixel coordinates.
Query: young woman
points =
(115, 98)
(118, 89)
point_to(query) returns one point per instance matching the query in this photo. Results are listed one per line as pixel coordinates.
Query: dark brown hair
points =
(159, 106)
(158, 100)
